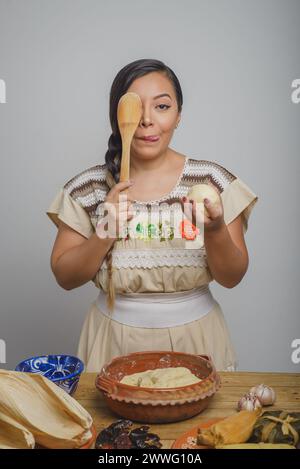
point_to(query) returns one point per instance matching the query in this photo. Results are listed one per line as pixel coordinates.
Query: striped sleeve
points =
(76, 203)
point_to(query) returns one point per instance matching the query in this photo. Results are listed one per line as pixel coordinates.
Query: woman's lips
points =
(150, 139)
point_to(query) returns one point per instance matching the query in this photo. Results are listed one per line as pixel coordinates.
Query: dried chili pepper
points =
(119, 436)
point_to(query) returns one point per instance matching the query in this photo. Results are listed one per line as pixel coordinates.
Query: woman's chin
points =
(145, 152)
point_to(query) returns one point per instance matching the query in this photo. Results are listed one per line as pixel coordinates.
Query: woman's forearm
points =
(226, 262)
(80, 264)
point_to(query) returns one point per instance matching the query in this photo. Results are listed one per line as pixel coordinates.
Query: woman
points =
(153, 283)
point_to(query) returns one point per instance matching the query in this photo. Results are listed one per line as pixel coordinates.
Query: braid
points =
(110, 300)
(113, 158)
(113, 163)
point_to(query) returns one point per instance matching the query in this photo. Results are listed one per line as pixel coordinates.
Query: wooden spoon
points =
(129, 114)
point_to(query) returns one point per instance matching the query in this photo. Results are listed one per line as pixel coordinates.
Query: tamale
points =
(277, 426)
(236, 428)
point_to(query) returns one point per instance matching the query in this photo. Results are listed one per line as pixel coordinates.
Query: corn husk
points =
(55, 419)
(13, 435)
(234, 429)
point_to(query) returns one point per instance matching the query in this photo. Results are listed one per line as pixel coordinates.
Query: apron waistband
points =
(158, 310)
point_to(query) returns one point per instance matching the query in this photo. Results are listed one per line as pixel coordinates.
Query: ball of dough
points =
(199, 192)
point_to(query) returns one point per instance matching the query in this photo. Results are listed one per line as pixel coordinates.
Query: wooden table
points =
(233, 386)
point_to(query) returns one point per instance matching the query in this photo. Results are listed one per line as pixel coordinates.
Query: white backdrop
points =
(236, 61)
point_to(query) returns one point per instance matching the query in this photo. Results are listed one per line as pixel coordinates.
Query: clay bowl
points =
(157, 405)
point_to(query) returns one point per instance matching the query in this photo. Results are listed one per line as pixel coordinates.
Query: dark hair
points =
(120, 85)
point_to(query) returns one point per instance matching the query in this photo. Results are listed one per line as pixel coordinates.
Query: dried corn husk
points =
(55, 418)
(13, 435)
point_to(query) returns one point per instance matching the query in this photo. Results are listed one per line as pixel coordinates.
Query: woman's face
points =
(160, 114)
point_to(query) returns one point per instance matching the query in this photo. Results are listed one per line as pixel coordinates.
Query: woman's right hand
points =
(117, 206)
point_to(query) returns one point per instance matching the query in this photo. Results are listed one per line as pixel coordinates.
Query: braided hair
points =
(120, 85)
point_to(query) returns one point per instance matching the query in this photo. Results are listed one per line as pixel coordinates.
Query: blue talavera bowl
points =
(63, 370)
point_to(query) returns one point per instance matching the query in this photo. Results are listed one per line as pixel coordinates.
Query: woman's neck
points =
(146, 166)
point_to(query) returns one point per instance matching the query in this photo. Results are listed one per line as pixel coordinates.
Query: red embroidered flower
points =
(188, 230)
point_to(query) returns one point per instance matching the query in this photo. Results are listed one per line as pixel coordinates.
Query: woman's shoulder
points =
(88, 187)
(237, 196)
(206, 171)
(87, 179)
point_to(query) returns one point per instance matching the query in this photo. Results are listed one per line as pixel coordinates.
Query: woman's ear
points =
(178, 120)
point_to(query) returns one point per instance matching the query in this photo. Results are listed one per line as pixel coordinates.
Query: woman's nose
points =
(145, 123)
(146, 118)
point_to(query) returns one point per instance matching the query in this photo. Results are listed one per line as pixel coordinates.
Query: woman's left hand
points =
(211, 223)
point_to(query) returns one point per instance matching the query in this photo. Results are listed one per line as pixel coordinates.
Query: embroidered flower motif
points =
(152, 231)
(166, 231)
(141, 230)
(188, 230)
(147, 231)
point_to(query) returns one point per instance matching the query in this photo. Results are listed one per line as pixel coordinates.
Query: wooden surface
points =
(233, 386)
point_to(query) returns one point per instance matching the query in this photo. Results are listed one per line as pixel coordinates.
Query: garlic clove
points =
(265, 394)
(249, 401)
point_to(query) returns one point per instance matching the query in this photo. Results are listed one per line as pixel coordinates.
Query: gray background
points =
(236, 61)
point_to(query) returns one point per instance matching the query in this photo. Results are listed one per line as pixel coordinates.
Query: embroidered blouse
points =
(161, 251)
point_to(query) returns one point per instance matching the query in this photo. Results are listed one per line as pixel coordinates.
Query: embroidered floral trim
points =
(161, 231)
(147, 231)
(162, 222)
(149, 258)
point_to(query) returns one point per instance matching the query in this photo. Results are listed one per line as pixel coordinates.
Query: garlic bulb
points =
(249, 402)
(265, 394)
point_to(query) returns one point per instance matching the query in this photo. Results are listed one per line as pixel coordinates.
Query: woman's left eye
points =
(166, 106)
